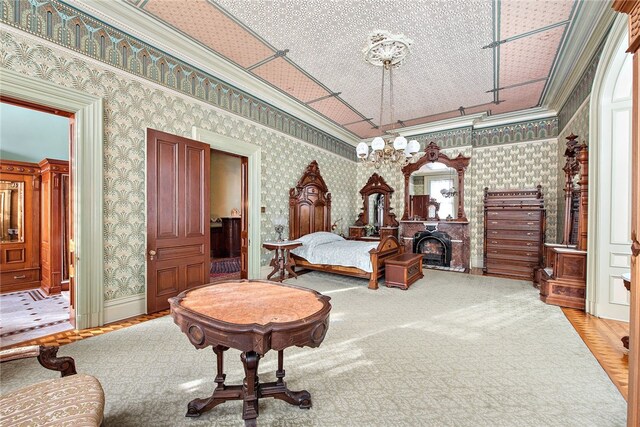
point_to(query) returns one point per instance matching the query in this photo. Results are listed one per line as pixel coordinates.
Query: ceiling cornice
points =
(592, 23)
(477, 121)
(442, 125)
(137, 23)
(537, 113)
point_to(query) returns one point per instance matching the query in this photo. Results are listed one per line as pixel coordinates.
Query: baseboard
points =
(477, 262)
(123, 308)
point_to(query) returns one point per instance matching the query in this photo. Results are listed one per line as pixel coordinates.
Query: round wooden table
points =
(252, 316)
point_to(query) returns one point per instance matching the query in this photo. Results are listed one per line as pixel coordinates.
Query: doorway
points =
(228, 213)
(36, 226)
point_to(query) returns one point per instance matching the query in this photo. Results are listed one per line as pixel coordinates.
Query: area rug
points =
(218, 277)
(225, 265)
(453, 350)
(26, 315)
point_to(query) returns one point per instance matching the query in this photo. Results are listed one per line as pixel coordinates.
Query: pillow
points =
(319, 238)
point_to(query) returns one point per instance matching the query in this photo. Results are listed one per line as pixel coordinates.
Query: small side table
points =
(282, 261)
(626, 279)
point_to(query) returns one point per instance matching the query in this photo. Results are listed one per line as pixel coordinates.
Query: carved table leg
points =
(279, 390)
(250, 388)
(221, 394)
(289, 264)
(275, 263)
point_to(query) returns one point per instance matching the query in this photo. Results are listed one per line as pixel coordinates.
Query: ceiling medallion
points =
(388, 51)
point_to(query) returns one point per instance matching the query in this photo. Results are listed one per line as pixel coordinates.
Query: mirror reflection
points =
(433, 192)
(11, 211)
(376, 211)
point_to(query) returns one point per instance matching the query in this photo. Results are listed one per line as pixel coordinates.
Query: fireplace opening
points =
(435, 247)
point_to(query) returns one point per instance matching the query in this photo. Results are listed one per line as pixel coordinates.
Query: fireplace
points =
(435, 247)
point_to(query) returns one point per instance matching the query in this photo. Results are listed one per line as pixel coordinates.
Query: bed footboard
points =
(388, 248)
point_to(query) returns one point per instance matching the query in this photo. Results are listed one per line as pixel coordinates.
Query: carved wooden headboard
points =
(309, 204)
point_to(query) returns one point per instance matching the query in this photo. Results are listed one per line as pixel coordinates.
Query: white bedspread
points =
(347, 253)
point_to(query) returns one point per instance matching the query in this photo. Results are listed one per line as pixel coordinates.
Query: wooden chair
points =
(72, 400)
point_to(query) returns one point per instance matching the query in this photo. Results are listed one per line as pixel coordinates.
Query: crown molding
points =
(477, 121)
(130, 19)
(442, 125)
(537, 113)
(592, 23)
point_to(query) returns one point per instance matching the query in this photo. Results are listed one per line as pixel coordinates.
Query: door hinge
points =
(72, 245)
(72, 271)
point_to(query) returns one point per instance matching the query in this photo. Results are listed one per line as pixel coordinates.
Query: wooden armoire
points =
(20, 226)
(34, 225)
(514, 227)
(54, 225)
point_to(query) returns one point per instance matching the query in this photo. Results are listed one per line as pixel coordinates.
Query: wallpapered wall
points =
(519, 165)
(131, 105)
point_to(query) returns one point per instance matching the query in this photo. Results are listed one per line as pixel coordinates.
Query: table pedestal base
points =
(250, 391)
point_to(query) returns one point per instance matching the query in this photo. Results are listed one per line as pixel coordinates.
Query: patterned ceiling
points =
(482, 55)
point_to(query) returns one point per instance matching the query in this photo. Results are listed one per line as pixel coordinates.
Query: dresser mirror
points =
(376, 205)
(12, 211)
(434, 186)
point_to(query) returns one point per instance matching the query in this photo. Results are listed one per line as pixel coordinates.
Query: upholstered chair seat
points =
(74, 400)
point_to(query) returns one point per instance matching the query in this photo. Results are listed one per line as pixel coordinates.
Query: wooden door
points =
(632, 8)
(177, 216)
(244, 226)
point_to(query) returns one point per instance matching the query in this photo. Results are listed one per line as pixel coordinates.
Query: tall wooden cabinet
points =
(54, 230)
(231, 237)
(19, 226)
(514, 225)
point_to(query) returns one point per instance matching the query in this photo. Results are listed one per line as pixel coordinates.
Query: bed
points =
(310, 222)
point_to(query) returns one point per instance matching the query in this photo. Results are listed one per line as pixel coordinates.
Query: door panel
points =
(177, 216)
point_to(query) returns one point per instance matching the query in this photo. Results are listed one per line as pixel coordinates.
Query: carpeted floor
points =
(453, 350)
(26, 315)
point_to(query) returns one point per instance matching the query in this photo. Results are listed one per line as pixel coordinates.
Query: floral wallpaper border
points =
(73, 29)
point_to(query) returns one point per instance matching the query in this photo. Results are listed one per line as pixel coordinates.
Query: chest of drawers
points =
(514, 224)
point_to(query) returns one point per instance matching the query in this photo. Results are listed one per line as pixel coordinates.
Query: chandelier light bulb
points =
(362, 150)
(400, 143)
(377, 144)
(413, 147)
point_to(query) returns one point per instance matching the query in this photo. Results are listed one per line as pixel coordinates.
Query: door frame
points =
(254, 155)
(609, 51)
(88, 187)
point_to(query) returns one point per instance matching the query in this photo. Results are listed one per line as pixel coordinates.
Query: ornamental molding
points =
(182, 59)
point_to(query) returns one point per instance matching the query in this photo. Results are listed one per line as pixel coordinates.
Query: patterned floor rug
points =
(453, 350)
(217, 277)
(225, 265)
(30, 314)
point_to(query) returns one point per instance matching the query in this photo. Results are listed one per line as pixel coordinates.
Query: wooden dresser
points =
(514, 225)
(231, 237)
(19, 226)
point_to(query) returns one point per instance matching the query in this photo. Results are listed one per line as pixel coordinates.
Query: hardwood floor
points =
(68, 337)
(602, 336)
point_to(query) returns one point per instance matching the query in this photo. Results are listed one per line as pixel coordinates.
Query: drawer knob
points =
(22, 276)
(529, 223)
(529, 234)
(494, 222)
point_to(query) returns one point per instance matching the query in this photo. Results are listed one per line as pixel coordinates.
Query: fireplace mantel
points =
(458, 230)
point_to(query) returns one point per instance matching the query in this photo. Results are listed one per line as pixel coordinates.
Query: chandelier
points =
(449, 192)
(388, 51)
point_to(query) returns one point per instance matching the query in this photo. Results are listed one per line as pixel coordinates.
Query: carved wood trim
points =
(310, 193)
(377, 185)
(433, 154)
(583, 207)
